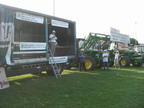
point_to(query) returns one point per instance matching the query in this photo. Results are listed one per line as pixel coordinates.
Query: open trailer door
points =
(65, 32)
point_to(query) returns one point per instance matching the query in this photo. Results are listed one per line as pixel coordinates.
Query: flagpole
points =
(135, 31)
(53, 7)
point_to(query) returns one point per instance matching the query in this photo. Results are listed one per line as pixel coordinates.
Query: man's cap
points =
(81, 49)
(105, 50)
(53, 31)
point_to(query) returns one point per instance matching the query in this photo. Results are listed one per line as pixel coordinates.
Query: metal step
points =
(53, 64)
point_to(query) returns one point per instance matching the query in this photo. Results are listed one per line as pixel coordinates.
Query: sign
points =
(3, 80)
(63, 59)
(59, 23)
(29, 17)
(116, 36)
(32, 46)
(123, 46)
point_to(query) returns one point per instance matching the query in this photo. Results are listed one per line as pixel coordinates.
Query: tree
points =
(133, 41)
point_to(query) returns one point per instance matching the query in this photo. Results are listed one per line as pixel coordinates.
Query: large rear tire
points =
(111, 62)
(90, 63)
(124, 61)
(99, 64)
(137, 64)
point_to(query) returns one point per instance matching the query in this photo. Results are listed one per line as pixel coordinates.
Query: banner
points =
(116, 36)
(29, 17)
(59, 23)
(32, 46)
(63, 59)
(3, 80)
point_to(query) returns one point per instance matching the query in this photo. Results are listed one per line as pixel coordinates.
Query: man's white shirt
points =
(116, 56)
(105, 57)
(53, 38)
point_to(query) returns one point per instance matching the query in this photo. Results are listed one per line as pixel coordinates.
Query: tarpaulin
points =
(6, 34)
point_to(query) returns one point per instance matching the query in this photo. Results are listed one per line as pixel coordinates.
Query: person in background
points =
(105, 56)
(116, 59)
(53, 41)
(82, 57)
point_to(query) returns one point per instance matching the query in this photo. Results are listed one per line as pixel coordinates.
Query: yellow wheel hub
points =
(123, 62)
(88, 64)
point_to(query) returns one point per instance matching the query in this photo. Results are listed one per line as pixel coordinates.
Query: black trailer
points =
(24, 40)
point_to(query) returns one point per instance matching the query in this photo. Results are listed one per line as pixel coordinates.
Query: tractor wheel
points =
(99, 64)
(124, 61)
(137, 64)
(111, 62)
(90, 63)
(51, 72)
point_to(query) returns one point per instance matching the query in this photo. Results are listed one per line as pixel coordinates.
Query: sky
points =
(96, 16)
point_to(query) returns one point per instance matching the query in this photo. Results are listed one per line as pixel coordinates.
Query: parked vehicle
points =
(140, 49)
(94, 46)
(24, 41)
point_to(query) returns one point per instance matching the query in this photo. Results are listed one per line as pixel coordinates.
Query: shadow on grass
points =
(114, 88)
(18, 80)
(130, 72)
(125, 72)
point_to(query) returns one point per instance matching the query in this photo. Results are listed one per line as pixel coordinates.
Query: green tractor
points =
(130, 57)
(94, 46)
(94, 59)
(96, 43)
(139, 49)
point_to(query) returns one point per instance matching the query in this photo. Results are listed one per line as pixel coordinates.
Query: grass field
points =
(116, 88)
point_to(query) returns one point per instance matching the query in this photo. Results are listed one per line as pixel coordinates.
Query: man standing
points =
(53, 41)
(82, 57)
(116, 59)
(105, 56)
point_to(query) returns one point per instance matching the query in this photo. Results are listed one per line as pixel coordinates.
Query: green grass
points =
(116, 88)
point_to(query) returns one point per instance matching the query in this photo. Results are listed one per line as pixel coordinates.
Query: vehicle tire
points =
(137, 64)
(51, 72)
(124, 61)
(111, 62)
(90, 63)
(99, 64)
